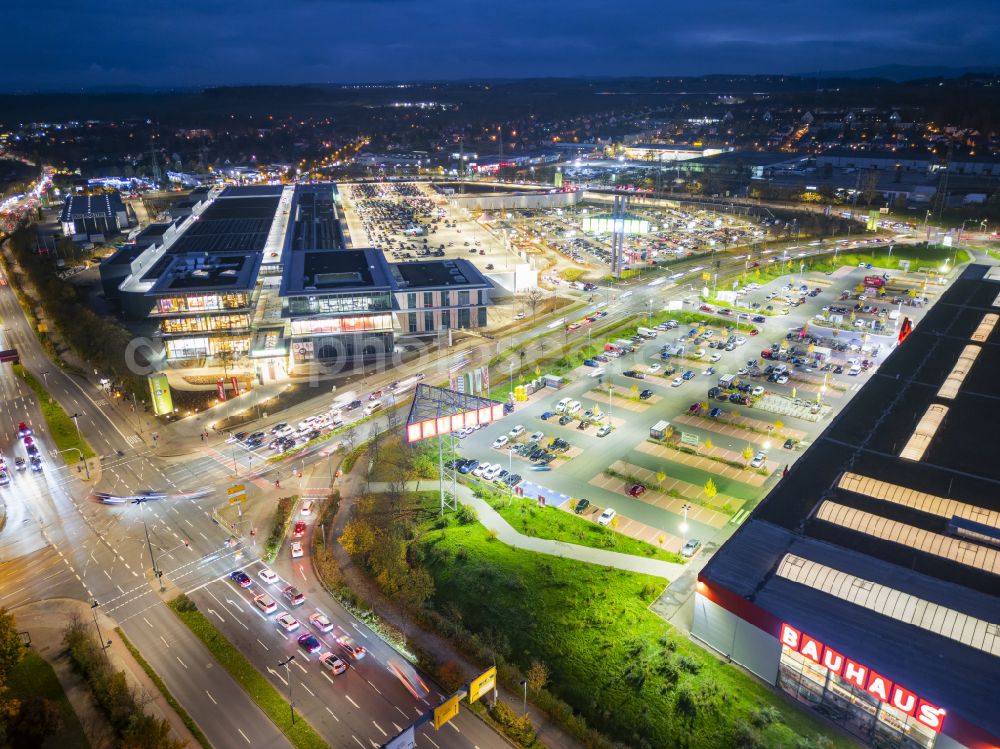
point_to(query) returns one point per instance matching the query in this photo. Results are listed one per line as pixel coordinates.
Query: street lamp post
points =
(79, 441)
(524, 704)
(100, 636)
(684, 523)
(288, 673)
(152, 558)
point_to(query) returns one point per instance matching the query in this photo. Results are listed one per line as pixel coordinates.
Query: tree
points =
(709, 489)
(11, 645)
(532, 298)
(708, 444)
(37, 719)
(661, 476)
(358, 537)
(747, 452)
(778, 423)
(537, 676)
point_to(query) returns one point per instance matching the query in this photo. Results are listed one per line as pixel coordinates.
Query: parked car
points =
(500, 441)
(758, 460)
(581, 506)
(604, 431)
(606, 517)
(689, 549)
(636, 490)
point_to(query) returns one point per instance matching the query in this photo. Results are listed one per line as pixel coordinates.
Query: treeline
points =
(120, 703)
(98, 340)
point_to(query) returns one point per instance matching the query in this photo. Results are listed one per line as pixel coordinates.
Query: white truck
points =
(646, 333)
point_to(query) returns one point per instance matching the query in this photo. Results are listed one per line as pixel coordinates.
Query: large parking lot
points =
(643, 428)
(410, 222)
(672, 233)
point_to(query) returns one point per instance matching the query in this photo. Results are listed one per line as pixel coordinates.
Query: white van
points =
(516, 432)
(561, 405)
(599, 372)
(572, 407)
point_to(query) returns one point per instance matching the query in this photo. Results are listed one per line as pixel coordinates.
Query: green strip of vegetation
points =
(525, 516)
(34, 684)
(596, 645)
(268, 699)
(61, 427)
(279, 527)
(193, 727)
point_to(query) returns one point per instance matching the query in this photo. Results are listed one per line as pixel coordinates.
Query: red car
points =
(300, 529)
(23, 430)
(636, 490)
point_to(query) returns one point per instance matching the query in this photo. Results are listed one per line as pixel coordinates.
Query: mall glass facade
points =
(877, 723)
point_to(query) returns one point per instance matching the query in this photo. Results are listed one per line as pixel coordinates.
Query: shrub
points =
(765, 716)
(467, 515)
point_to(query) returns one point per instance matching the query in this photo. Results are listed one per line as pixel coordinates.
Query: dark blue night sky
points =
(67, 44)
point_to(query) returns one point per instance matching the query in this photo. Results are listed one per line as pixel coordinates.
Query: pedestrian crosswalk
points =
(133, 439)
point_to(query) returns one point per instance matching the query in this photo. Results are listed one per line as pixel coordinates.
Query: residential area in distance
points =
(558, 412)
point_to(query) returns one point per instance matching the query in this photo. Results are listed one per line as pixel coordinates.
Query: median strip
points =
(64, 432)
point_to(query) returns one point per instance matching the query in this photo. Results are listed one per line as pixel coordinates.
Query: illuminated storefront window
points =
(342, 325)
(191, 348)
(203, 324)
(201, 303)
(338, 304)
(849, 706)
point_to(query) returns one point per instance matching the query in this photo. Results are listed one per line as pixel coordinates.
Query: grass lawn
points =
(34, 677)
(619, 665)
(301, 734)
(526, 517)
(193, 727)
(60, 425)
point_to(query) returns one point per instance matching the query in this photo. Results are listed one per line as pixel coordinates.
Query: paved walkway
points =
(493, 521)
(45, 621)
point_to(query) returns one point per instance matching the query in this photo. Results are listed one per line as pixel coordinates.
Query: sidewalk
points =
(548, 732)
(45, 620)
(492, 520)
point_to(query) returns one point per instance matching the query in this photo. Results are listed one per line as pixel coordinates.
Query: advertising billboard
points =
(159, 390)
(483, 684)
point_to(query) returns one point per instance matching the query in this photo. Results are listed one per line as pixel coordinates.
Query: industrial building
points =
(865, 585)
(94, 216)
(258, 279)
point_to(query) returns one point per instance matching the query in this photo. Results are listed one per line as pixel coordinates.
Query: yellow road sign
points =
(705, 275)
(482, 684)
(238, 489)
(447, 710)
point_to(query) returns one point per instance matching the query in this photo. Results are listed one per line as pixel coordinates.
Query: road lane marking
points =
(148, 622)
(373, 686)
(401, 711)
(165, 643)
(380, 729)
(211, 697)
(300, 666)
(452, 724)
(244, 735)
(264, 646)
(302, 684)
(180, 661)
(352, 701)
(327, 676)
(331, 711)
(356, 739)
(431, 740)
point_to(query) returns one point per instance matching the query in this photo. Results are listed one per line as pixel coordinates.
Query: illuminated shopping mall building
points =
(258, 279)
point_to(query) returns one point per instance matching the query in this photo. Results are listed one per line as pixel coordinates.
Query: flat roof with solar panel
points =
(883, 541)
